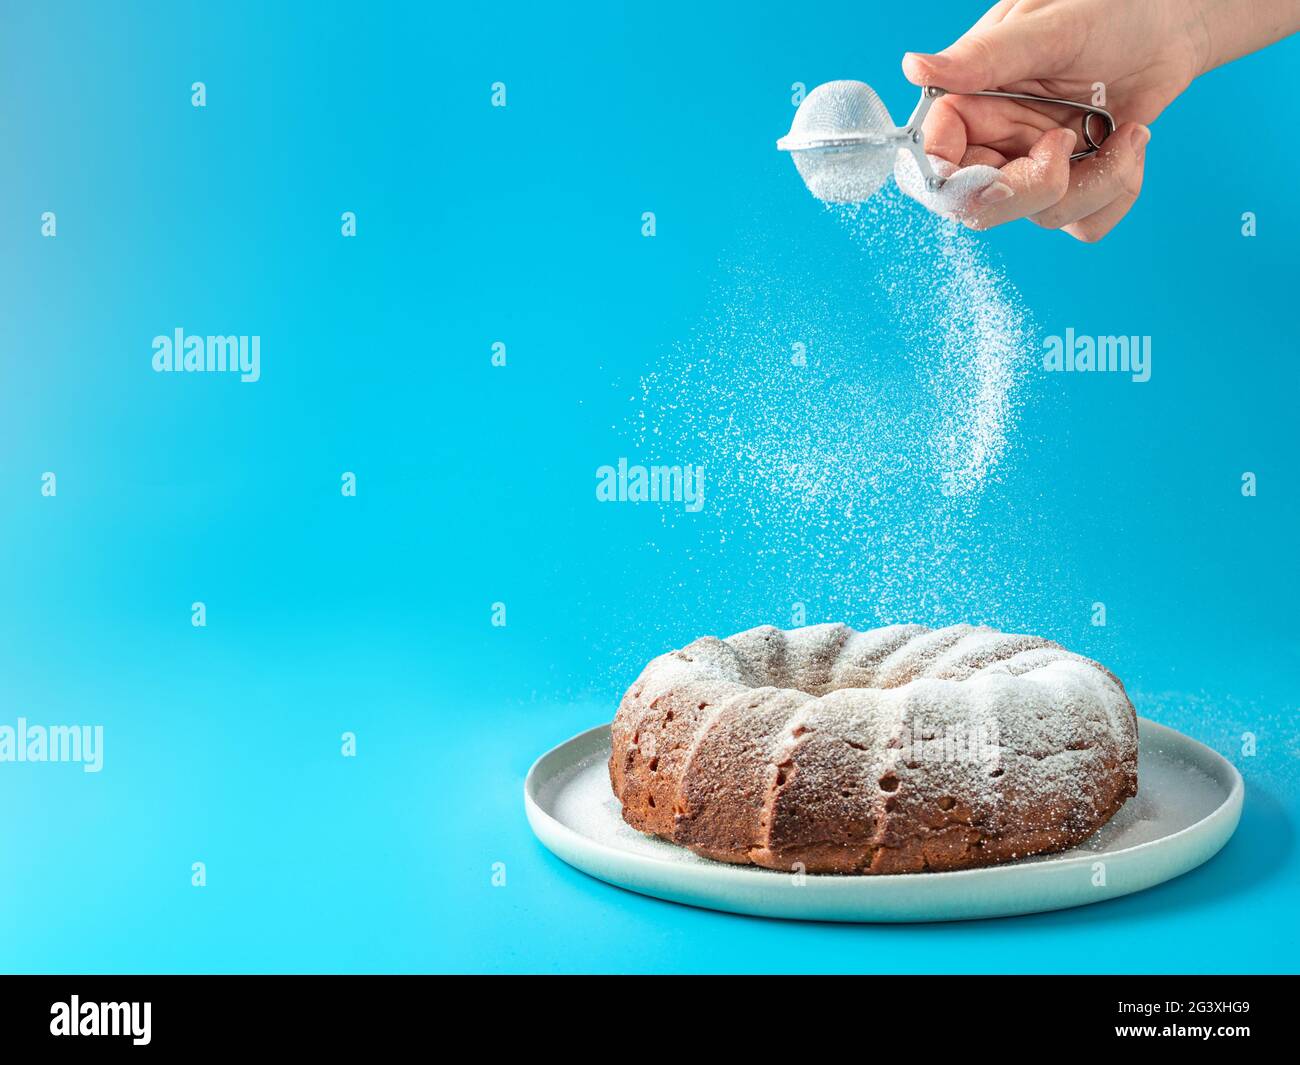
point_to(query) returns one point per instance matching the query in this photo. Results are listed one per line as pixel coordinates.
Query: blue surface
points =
(372, 614)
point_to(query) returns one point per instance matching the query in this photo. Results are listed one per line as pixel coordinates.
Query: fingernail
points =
(995, 193)
(1074, 139)
(1140, 136)
(923, 64)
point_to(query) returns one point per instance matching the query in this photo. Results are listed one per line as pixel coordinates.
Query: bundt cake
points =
(898, 750)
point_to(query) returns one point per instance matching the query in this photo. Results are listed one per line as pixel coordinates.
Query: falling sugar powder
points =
(850, 413)
(853, 400)
(983, 345)
(1223, 720)
(982, 335)
(967, 327)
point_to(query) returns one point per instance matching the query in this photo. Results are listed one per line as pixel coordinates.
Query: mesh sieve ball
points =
(843, 142)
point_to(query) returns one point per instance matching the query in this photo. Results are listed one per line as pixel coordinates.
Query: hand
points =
(1143, 54)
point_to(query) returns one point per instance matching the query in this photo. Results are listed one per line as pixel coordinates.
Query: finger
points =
(1096, 226)
(945, 132)
(990, 56)
(995, 14)
(1112, 174)
(1008, 127)
(982, 155)
(1026, 185)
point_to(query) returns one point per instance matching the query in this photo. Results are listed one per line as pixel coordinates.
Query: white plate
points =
(1188, 805)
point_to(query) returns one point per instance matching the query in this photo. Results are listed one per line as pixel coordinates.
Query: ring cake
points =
(901, 749)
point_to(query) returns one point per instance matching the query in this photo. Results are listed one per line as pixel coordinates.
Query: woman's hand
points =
(1132, 57)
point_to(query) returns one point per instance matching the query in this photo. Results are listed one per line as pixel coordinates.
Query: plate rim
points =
(712, 871)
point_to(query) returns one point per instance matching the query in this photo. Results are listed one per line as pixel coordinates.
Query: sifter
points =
(844, 144)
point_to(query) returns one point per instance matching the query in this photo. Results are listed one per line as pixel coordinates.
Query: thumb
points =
(993, 56)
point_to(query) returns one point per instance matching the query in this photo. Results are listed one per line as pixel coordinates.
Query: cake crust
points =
(901, 749)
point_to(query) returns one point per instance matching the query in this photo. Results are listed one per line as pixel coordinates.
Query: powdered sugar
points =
(957, 194)
(844, 177)
(1063, 715)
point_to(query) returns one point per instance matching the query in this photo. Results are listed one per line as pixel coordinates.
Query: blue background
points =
(372, 614)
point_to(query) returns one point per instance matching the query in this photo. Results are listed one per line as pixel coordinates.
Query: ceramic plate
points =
(1188, 805)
